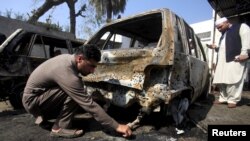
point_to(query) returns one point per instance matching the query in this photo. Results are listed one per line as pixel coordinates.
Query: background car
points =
(21, 53)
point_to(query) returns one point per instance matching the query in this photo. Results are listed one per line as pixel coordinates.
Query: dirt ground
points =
(18, 125)
(219, 114)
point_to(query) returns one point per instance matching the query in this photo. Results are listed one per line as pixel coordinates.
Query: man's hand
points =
(124, 129)
(241, 58)
(212, 46)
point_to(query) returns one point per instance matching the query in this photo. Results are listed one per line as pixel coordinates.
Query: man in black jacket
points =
(231, 68)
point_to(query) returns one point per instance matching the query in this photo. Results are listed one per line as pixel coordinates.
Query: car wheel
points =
(16, 95)
(205, 91)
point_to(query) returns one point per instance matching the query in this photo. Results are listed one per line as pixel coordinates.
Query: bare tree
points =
(103, 7)
(48, 4)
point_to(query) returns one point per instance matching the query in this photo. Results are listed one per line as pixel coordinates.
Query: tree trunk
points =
(48, 4)
(71, 5)
(109, 11)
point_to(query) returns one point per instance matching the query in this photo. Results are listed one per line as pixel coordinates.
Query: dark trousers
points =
(55, 103)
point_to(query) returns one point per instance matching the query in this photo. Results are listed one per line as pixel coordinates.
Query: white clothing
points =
(231, 93)
(232, 72)
(229, 76)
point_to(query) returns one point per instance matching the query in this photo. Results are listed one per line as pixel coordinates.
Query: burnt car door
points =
(13, 57)
(44, 47)
(198, 68)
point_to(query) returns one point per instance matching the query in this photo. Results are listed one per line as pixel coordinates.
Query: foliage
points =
(18, 16)
(91, 23)
(109, 8)
(52, 26)
(8, 13)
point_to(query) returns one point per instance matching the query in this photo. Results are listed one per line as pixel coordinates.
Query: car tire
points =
(205, 91)
(16, 95)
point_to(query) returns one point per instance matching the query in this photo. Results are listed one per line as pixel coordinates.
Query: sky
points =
(192, 11)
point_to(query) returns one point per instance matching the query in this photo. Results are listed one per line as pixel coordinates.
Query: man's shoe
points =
(218, 102)
(43, 123)
(66, 133)
(231, 105)
(39, 120)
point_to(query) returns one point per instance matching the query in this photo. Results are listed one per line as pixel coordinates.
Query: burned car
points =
(21, 53)
(152, 59)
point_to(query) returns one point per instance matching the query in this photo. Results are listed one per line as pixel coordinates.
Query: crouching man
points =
(55, 88)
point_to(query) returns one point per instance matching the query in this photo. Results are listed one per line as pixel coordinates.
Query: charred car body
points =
(21, 53)
(151, 59)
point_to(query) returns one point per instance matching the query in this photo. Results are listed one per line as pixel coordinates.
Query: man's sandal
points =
(66, 133)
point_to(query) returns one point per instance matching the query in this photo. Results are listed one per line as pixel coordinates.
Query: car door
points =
(43, 47)
(198, 68)
(13, 57)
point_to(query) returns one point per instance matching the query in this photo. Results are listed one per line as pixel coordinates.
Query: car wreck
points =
(153, 59)
(21, 53)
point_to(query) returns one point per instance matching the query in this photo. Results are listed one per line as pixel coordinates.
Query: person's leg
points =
(223, 93)
(62, 126)
(64, 119)
(50, 103)
(56, 104)
(234, 92)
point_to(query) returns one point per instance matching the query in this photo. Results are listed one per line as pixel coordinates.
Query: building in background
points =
(204, 30)
(237, 11)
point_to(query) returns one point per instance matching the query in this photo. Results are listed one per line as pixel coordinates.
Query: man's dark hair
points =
(89, 51)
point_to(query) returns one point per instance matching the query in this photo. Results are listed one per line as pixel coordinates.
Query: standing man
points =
(55, 88)
(232, 56)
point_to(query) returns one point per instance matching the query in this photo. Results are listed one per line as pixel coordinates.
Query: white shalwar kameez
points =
(229, 76)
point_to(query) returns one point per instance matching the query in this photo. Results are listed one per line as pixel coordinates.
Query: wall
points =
(206, 27)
